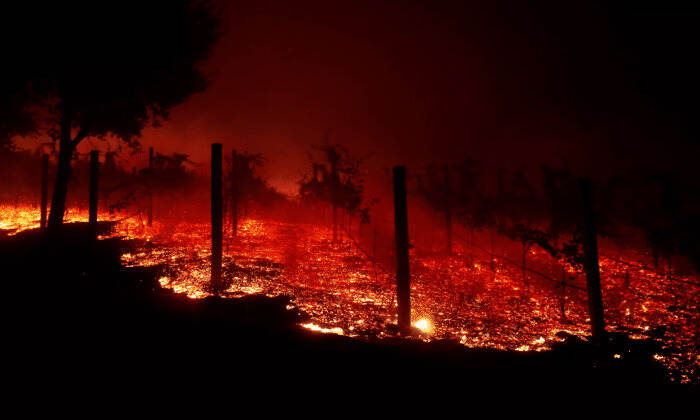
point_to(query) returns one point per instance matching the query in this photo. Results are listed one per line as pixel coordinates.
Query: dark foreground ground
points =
(75, 315)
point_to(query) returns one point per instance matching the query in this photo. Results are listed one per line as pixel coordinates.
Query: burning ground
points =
(459, 298)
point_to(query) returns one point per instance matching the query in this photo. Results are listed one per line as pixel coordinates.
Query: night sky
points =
(507, 84)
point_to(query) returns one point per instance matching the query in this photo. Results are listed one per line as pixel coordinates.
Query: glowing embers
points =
(314, 327)
(16, 219)
(452, 298)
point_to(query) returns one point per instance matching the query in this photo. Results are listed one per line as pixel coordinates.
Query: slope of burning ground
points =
(455, 298)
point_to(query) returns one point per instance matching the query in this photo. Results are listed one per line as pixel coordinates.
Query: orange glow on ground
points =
(343, 293)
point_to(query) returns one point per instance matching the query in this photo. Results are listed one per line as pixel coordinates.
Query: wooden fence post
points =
(335, 222)
(150, 186)
(403, 276)
(524, 269)
(374, 251)
(448, 211)
(492, 262)
(44, 190)
(234, 193)
(217, 223)
(590, 262)
(562, 303)
(94, 183)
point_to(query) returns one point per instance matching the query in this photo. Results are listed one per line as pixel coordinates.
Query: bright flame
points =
(425, 325)
(314, 327)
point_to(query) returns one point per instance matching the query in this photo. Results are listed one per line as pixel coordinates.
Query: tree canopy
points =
(336, 180)
(113, 66)
(101, 69)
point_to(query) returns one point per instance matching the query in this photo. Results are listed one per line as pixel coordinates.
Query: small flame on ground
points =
(314, 327)
(425, 325)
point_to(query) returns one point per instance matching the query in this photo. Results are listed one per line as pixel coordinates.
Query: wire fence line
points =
(514, 263)
(375, 254)
(652, 269)
(375, 241)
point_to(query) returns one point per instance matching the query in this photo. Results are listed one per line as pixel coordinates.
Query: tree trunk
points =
(60, 189)
(44, 190)
(94, 187)
(64, 171)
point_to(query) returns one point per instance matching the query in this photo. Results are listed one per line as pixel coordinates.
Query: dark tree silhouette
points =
(243, 180)
(106, 69)
(562, 198)
(15, 117)
(335, 181)
(453, 190)
(467, 195)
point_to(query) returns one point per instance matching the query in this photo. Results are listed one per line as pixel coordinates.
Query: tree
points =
(336, 181)
(246, 185)
(452, 189)
(15, 117)
(563, 198)
(107, 69)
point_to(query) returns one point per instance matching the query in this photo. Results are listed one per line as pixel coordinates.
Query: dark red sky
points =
(411, 82)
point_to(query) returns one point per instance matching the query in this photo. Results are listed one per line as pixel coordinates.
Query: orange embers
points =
(456, 297)
(340, 289)
(16, 219)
